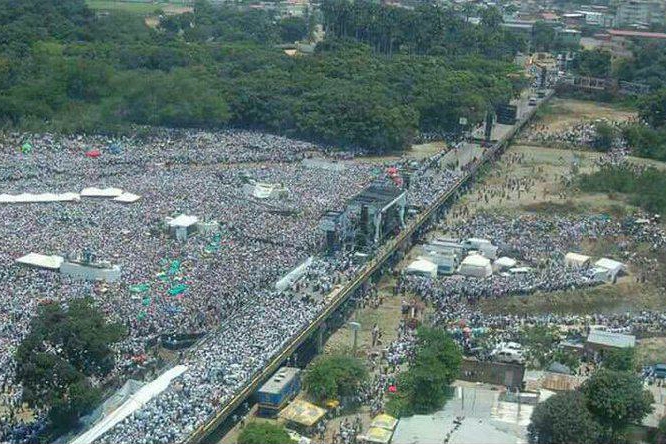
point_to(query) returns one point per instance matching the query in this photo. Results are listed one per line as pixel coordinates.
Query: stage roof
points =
(41, 261)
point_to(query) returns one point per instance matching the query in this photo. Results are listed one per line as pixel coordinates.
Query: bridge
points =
(388, 249)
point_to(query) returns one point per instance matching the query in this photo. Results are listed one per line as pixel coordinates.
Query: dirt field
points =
(560, 114)
(545, 173)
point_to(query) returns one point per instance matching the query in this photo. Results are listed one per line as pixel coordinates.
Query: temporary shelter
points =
(475, 265)
(101, 192)
(377, 435)
(384, 421)
(41, 261)
(422, 267)
(33, 198)
(609, 268)
(576, 260)
(302, 413)
(504, 263)
(127, 198)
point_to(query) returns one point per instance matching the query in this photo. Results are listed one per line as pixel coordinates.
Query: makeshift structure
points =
(38, 198)
(576, 260)
(422, 267)
(377, 435)
(608, 269)
(302, 413)
(384, 421)
(41, 261)
(475, 265)
(504, 263)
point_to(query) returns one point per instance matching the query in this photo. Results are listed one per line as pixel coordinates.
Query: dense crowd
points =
(540, 242)
(229, 277)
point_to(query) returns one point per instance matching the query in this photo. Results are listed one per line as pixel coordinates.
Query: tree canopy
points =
(616, 399)
(334, 376)
(257, 432)
(219, 66)
(424, 387)
(63, 349)
(563, 418)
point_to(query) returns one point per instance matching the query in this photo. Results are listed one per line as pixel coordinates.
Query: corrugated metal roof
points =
(610, 339)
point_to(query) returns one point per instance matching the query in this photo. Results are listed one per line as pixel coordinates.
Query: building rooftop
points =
(281, 378)
(610, 339)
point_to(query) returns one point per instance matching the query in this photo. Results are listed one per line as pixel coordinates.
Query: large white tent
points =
(610, 268)
(41, 261)
(475, 265)
(576, 260)
(504, 263)
(422, 267)
(38, 198)
(101, 192)
(127, 198)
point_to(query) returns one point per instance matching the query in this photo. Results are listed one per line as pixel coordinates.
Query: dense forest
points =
(372, 83)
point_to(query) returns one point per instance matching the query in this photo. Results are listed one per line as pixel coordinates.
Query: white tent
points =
(576, 260)
(475, 265)
(612, 268)
(43, 197)
(183, 221)
(101, 192)
(422, 267)
(127, 198)
(41, 261)
(504, 263)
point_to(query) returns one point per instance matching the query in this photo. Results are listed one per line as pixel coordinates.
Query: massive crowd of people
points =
(228, 278)
(540, 243)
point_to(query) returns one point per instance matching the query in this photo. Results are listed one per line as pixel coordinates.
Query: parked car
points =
(660, 371)
(532, 101)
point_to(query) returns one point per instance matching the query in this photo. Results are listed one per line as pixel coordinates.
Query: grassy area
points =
(560, 114)
(135, 7)
(624, 296)
(651, 351)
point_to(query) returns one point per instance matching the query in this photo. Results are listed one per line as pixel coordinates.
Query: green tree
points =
(616, 399)
(563, 418)
(540, 342)
(334, 376)
(594, 63)
(293, 29)
(622, 359)
(64, 347)
(652, 109)
(424, 387)
(257, 432)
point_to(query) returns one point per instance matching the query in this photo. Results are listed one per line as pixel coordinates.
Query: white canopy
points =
(610, 267)
(422, 267)
(475, 265)
(42, 261)
(127, 198)
(576, 260)
(504, 263)
(134, 403)
(101, 192)
(183, 221)
(43, 197)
